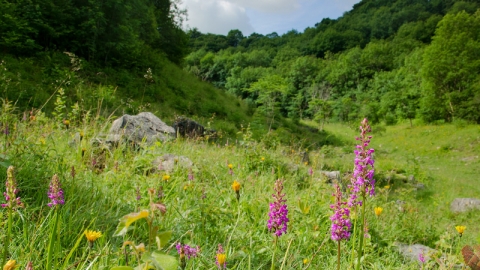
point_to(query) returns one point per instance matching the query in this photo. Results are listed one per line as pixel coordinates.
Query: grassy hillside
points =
(202, 209)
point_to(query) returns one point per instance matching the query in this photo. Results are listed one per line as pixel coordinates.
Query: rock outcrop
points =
(136, 128)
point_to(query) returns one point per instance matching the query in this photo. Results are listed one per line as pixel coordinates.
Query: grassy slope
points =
(443, 157)
(96, 199)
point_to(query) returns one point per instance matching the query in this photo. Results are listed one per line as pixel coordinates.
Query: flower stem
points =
(352, 260)
(7, 237)
(338, 256)
(52, 240)
(362, 232)
(274, 252)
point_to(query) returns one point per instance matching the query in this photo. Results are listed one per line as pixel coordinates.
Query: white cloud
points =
(261, 16)
(217, 16)
(269, 6)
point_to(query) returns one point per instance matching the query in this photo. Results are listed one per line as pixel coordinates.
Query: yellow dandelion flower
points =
(230, 166)
(460, 229)
(386, 187)
(92, 236)
(166, 177)
(236, 186)
(378, 211)
(263, 159)
(10, 265)
(305, 261)
(221, 259)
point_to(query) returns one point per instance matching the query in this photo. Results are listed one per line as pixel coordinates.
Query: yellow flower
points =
(306, 163)
(230, 166)
(305, 261)
(11, 264)
(166, 177)
(221, 258)
(386, 187)
(263, 159)
(92, 235)
(66, 122)
(236, 186)
(378, 211)
(460, 229)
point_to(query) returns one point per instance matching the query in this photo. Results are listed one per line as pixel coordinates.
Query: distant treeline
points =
(386, 60)
(108, 32)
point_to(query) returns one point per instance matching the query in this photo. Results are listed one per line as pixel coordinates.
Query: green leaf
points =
(127, 220)
(164, 237)
(163, 261)
(121, 268)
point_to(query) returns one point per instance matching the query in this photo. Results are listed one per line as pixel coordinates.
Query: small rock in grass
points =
(460, 205)
(413, 252)
(168, 162)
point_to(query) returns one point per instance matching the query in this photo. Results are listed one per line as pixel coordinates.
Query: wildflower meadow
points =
(73, 202)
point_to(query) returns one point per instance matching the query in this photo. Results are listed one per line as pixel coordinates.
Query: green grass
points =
(205, 211)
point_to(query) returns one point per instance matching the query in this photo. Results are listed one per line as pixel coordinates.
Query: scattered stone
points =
(135, 128)
(460, 205)
(331, 175)
(419, 186)
(412, 252)
(400, 205)
(411, 178)
(185, 127)
(168, 162)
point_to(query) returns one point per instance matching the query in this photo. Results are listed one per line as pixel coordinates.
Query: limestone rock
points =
(331, 175)
(168, 162)
(413, 252)
(460, 205)
(137, 127)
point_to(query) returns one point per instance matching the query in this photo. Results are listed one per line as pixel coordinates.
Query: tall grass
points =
(205, 211)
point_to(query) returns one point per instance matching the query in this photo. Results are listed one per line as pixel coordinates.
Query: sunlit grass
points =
(202, 207)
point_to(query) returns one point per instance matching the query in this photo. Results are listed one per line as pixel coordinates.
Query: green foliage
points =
(111, 32)
(372, 55)
(449, 71)
(203, 210)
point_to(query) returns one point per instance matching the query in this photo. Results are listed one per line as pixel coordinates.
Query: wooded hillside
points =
(387, 60)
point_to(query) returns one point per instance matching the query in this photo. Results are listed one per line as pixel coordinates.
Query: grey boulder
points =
(136, 128)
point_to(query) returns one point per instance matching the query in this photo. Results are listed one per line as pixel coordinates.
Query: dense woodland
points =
(386, 60)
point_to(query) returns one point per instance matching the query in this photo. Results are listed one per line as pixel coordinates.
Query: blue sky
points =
(261, 16)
